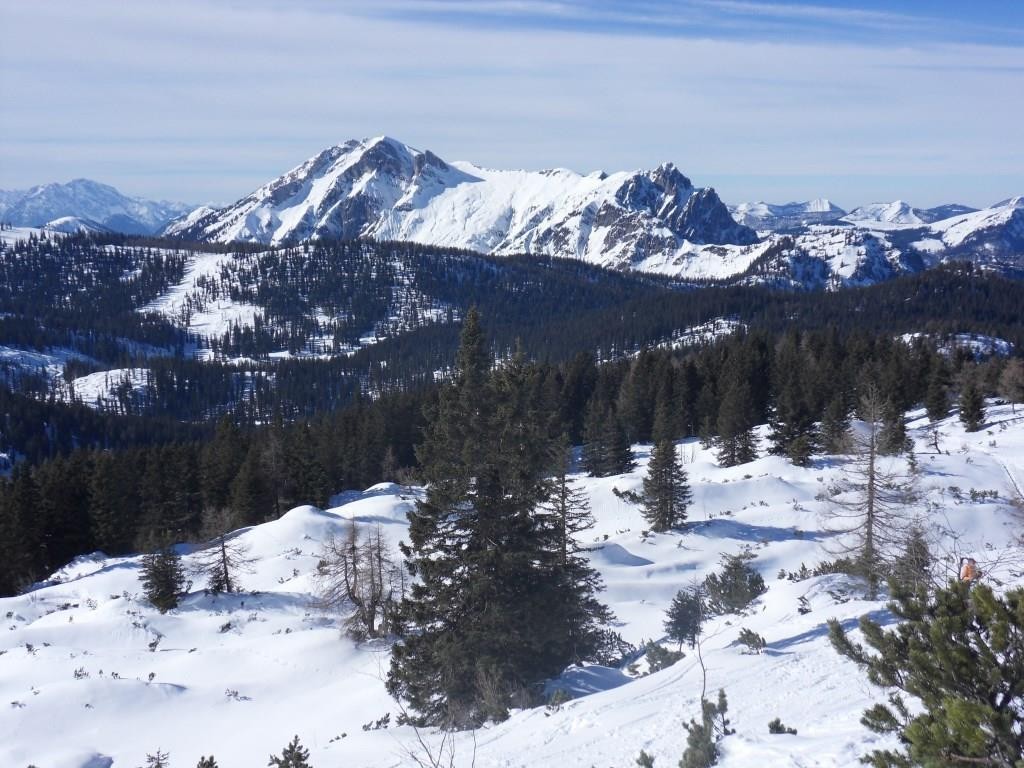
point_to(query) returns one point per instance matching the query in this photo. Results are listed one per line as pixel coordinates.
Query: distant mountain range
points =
(654, 220)
(89, 205)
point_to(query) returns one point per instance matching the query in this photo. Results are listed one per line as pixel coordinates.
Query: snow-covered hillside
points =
(384, 189)
(767, 216)
(98, 204)
(239, 675)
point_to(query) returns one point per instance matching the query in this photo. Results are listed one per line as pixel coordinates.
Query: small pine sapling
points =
(294, 756)
(703, 737)
(754, 642)
(207, 762)
(644, 760)
(735, 587)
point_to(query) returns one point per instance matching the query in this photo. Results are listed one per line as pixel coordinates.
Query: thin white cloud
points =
(204, 101)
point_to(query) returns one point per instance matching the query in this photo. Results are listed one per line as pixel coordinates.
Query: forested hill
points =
(157, 328)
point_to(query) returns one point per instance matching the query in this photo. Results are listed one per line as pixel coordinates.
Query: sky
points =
(202, 101)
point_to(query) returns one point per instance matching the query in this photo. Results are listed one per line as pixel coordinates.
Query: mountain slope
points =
(238, 675)
(761, 216)
(87, 200)
(381, 188)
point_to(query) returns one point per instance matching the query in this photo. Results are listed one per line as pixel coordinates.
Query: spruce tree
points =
(936, 401)
(1011, 382)
(972, 406)
(893, 439)
(293, 756)
(207, 762)
(835, 426)
(686, 616)
(478, 624)
(568, 516)
(792, 419)
(252, 497)
(666, 492)
(736, 442)
(163, 578)
(960, 656)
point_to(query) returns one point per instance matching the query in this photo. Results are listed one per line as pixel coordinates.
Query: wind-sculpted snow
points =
(239, 675)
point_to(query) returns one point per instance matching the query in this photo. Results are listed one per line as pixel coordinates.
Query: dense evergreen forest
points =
(239, 438)
(132, 496)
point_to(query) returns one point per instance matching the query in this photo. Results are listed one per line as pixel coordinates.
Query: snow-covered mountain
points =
(384, 189)
(89, 201)
(238, 675)
(901, 215)
(72, 224)
(769, 216)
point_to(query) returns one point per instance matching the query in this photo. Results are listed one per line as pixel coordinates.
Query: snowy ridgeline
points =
(239, 675)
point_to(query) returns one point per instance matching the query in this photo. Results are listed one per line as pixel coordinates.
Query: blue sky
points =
(203, 101)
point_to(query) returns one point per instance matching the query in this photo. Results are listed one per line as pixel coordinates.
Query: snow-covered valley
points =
(92, 676)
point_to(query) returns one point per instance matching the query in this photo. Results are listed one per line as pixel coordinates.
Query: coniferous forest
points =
(480, 389)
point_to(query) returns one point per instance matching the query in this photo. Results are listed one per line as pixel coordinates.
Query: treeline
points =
(85, 292)
(805, 385)
(138, 499)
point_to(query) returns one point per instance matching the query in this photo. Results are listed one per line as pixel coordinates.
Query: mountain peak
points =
(381, 187)
(85, 200)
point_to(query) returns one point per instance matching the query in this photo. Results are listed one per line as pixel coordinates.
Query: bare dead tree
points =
(224, 557)
(357, 573)
(869, 508)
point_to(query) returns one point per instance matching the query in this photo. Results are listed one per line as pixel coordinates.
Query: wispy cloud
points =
(206, 100)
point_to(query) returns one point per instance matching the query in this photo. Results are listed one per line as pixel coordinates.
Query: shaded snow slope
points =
(239, 675)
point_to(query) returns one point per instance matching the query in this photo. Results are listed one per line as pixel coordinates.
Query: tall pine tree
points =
(666, 492)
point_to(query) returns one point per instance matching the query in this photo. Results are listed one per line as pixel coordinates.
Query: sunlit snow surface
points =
(238, 676)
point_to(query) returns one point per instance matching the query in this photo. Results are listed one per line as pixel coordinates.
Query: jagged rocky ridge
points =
(381, 188)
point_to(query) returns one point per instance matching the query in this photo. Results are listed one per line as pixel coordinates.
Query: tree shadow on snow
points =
(721, 528)
(880, 616)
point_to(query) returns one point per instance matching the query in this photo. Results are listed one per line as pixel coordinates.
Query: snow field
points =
(239, 675)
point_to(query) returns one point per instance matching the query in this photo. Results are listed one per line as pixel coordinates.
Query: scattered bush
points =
(776, 726)
(659, 658)
(735, 587)
(753, 641)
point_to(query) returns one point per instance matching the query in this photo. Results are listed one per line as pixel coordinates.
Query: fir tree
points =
(702, 738)
(569, 516)
(960, 655)
(936, 401)
(893, 439)
(252, 497)
(1011, 382)
(736, 442)
(207, 762)
(685, 616)
(163, 578)
(835, 426)
(479, 622)
(792, 419)
(972, 406)
(735, 587)
(158, 760)
(666, 493)
(293, 756)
